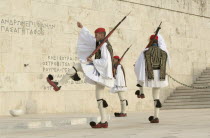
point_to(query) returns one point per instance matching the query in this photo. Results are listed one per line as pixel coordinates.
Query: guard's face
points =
(115, 60)
(99, 36)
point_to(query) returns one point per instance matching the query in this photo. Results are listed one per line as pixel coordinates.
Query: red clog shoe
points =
(99, 125)
(120, 114)
(52, 83)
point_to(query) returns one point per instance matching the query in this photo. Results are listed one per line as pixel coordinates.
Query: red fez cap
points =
(152, 36)
(100, 30)
(116, 57)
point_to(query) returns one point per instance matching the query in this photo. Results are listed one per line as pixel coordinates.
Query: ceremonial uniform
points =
(120, 87)
(150, 70)
(98, 72)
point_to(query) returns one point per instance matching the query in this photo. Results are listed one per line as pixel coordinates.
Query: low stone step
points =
(190, 94)
(205, 73)
(186, 100)
(192, 90)
(183, 88)
(204, 76)
(185, 107)
(188, 97)
(188, 88)
(188, 103)
(200, 85)
(201, 79)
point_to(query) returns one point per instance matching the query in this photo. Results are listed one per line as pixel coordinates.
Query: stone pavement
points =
(191, 123)
(38, 121)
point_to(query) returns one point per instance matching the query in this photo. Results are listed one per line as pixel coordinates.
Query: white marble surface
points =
(173, 124)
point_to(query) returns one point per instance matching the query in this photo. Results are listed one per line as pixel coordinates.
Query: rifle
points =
(106, 38)
(115, 66)
(156, 32)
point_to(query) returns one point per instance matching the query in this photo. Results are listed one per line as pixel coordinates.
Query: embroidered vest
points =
(155, 59)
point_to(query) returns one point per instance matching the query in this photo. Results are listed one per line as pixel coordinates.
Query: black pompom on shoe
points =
(50, 77)
(142, 96)
(92, 123)
(116, 114)
(151, 118)
(137, 92)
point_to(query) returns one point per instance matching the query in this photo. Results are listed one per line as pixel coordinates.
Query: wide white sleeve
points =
(104, 64)
(140, 67)
(86, 44)
(119, 78)
(162, 45)
(85, 37)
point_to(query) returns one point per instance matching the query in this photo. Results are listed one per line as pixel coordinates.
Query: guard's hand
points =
(79, 25)
(89, 59)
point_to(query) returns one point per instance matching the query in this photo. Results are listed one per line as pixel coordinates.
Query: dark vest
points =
(109, 47)
(155, 59)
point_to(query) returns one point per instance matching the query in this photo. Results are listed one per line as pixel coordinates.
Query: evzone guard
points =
(98, 71)
(150, 70)
(120, 86)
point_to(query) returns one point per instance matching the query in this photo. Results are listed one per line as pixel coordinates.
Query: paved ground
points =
(174, 124)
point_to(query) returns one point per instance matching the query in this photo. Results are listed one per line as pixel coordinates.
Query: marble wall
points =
(38, 37)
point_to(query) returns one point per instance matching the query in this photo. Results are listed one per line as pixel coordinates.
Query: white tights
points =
(156, 95)
(122, 101)
(102, 110)
(70, 73)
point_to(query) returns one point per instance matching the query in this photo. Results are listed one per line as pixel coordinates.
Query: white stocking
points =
(70, 73)
(156, 95)
(102, 110)
(122, 101)
(141, 88)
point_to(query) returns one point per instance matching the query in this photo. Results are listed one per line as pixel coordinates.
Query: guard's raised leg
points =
(72, 73)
